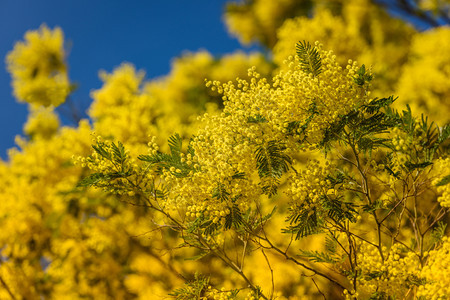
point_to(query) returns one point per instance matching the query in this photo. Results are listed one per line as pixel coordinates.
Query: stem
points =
(366, 192)
(318, 288)
(7, 288)
(287, 257)
(271, 273)
(243, 254)
(233, 266)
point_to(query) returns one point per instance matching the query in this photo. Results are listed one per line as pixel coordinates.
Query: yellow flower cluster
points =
(131, 109)
(408, 148)
(352, 28)
(185, 83)
(436, 273)
(108, 158)
(442, 168)
(38, 68)
(226, 145)
(402, 144)
(215, 294)
(393, 275)
(258, 20)
(331, 30)
(63, 240)
(294, 96)
(42, 122)
(310, 184)
(217, 161)
(121, 109)
(32, 185)
(429, 55)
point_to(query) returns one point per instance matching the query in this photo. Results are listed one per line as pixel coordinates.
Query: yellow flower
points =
(37, 67)
(424, 84)
(42, 122)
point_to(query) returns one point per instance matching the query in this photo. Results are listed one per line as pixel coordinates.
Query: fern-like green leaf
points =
(99, 148)
(303, 222)
(309, 58)
(438, 232)
(257, 119)
(267, 217)
(234, 218)
(271, 160)
(319, 257)
(166, 161)
(239, 175)
(444, 181)
(175, 144)
(193, 289)
(339, 210)
(220, 192)
(330, 243)
(376, 104)
(361, 76)
(119, 155)
(91, 180)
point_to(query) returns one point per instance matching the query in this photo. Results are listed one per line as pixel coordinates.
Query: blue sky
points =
(103, 33)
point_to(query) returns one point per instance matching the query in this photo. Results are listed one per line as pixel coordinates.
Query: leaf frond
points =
(309, 58)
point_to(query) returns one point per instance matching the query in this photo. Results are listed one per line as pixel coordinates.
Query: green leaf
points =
(444, 181)
(271, 160)
(361, 76)
(319, 257)
(309, 58)
(257, 292)
(99, 148)
(412, 166)
(234, 218)
(330, 243)
(377, 204)
(438, 232)
(161, 193)
(375, 274)
(444, 134)
(267, 217)
(270, 187)
(166, 161)
(339, 210)
(91, 180)
(391, 172)
(198, 256)
(336, 179)
(297, 127)
(100, 179)
(206, 226)
(220, 192)
(413, 280)
(303, 222)
(193, 289)
(376, 104)
(238, 175)
(175, 144)
(119, 155)
(257, 119)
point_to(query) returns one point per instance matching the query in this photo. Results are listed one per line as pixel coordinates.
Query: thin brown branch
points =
(271, 274)
(8, 290)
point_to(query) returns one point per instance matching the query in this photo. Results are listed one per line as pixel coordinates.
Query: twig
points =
(318, 288)
(7, 288)
(271, 273)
